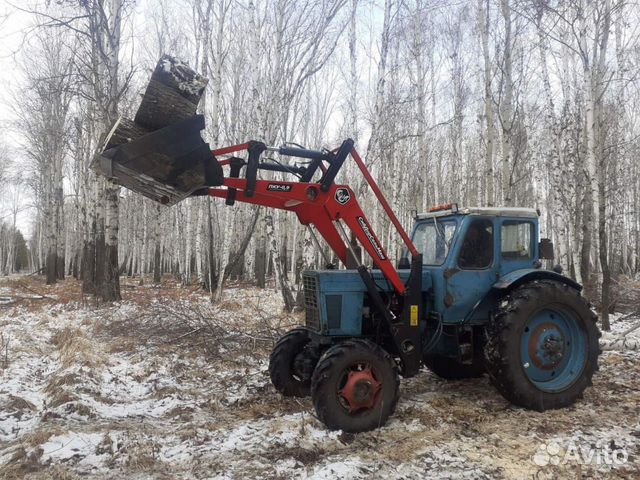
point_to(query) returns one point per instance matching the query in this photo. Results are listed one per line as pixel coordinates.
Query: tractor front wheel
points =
(355, 386)
(292, 362)
(542, 349)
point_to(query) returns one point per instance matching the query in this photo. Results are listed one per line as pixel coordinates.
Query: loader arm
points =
(316, 204)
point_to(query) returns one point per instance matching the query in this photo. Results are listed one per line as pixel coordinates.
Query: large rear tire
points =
(355, 386)
(543, 347)
(291, 363)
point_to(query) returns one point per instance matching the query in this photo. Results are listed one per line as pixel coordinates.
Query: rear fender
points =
(516, 278)
(481, 312)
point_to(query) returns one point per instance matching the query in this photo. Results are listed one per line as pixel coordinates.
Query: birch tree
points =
(484, 23)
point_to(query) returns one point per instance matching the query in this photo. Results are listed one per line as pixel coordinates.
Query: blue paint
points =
(346, 285)
(467, 288)
(553, 349)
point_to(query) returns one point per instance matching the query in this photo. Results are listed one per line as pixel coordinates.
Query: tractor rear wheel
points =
(355, 386)
(543, 347)
(292, 362)
(451, 369)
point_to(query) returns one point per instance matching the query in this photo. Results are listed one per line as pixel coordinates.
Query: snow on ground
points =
(164, 385)
(624, 334)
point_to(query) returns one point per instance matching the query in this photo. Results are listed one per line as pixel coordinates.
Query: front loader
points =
(468, 295)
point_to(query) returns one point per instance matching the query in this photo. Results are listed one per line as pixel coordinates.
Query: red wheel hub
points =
(360, 390)
(546, 346)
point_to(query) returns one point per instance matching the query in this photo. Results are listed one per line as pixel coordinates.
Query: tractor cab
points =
(465, 252)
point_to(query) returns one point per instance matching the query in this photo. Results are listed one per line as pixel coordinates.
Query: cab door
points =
(472, 268)
(516, 240)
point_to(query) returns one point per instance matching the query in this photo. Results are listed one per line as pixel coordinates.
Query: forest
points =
(487, 103)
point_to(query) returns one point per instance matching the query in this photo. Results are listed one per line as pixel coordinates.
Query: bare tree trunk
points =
(261, 259)
(601, 179)
(51, 242)
(188, 254)
(157, 272)
(506, 106)
(227, 228)
(280, 273)
(484, 20)
(59, 218)
(238, 256)
(111, 285)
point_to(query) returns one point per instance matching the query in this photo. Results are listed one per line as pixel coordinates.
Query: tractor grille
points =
(311, 307)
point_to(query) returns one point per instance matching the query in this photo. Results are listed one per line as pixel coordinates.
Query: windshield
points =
(433, 240)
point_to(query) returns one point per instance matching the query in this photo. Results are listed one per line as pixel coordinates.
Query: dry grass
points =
(21, 463)
(166, 391)
(265, 406)
(76, 349)
(209, 353)
(58, 382)
(231, 305)
(55, 472)
(187, 433)
(18, 404)
(65, 337)
(124, 344)
(41, 435)
(180, 318)
(59, 394)
(305, 456)
(80, 409)
(32, 293)
(184, 414)
(61, 397)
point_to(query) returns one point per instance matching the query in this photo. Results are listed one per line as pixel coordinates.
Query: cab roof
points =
(488, 211)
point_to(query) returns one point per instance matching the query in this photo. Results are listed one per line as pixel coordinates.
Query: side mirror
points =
(403, 264)
(545, 249)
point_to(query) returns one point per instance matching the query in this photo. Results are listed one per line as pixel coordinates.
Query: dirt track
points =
(163, 385)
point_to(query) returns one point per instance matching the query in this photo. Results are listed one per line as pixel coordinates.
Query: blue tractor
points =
(486, 306)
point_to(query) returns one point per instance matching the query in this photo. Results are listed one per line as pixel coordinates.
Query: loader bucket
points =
(166, 165)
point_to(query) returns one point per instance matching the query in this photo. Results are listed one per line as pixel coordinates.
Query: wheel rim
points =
(553, 349)
(359, 389)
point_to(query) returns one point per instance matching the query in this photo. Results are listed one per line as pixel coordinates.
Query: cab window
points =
(477, 248)
(516, 240)
(433, 239)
